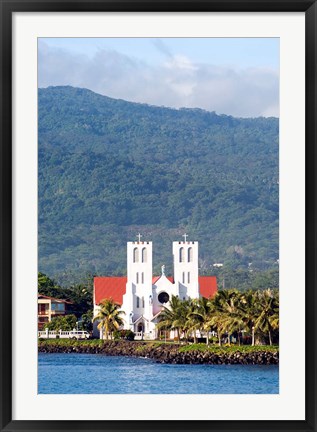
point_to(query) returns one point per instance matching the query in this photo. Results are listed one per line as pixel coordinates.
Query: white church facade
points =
(142, 296)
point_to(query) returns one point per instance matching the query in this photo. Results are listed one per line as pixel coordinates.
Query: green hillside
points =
(110, 168)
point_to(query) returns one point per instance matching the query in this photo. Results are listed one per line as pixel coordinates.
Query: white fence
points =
(73, 334)
(142, 336)
(53, 334)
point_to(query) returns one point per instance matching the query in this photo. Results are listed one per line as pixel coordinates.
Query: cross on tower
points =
(139, 235)
(185, 236)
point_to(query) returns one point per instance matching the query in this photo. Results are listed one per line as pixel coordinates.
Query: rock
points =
(162, 353)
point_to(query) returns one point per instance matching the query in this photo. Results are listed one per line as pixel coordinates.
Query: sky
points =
(233, 76)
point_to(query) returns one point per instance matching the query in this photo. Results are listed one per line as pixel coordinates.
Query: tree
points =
(64, 323)
(233, 206)
(79, 295)
(81, 298)
(200, 316)
(193, 321)
(109, 316)
(226, 314)
(44, 281)
(268, 319)
(174, 317)
(86, 321)
(249, 309)
(47, 286)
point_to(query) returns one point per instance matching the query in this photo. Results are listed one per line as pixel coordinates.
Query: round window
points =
(163, 297)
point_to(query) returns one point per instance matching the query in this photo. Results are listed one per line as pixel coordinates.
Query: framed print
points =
(158, 188)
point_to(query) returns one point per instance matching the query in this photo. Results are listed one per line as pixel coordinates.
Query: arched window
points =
(183, 277)
(181, 255)
(142, 278)
(137, 277)
(143, 302)
(138, 302)
(188, 277)
(144, 255)
(190, 254)
(135, 255)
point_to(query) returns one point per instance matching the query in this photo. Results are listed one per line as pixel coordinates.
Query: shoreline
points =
(171, 353)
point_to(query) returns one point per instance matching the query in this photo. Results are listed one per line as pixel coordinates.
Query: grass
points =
(228, 349)
(142, 346)
(70, 342)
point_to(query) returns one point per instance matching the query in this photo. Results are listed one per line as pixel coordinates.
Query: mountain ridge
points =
(197, 109)
(109, 168)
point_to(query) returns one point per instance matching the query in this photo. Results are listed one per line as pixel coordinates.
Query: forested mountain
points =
(109, 169)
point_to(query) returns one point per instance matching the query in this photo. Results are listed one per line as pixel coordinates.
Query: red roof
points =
(106, 287)
(109, 287)
(207, 286)
(156, 278)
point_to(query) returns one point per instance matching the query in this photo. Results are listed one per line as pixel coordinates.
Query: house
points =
(142, 295)
(50, 307)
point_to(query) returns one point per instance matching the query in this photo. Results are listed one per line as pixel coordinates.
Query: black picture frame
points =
(8, 7)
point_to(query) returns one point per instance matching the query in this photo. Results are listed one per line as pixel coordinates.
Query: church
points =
(143, 295)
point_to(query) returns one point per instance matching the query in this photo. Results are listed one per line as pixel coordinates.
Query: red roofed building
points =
(109, 288)
(142, 295)
(207, 286)
(114, 287)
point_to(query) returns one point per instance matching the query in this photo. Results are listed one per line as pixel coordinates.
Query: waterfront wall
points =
(167, 353)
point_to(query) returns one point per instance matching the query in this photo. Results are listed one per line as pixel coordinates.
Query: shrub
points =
(123, 334)
(116, 335)
(127, 334)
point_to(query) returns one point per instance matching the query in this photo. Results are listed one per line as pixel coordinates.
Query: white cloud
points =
(177, 82)
(180, 62)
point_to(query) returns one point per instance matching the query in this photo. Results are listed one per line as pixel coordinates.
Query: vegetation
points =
(228, 314)
(65, 323)
(110, 168)
(71, 342)
(80, 295)
(251, 314)
(123, 334)
(109, 317)
(146, 346)
(85, 322)
(228, 349)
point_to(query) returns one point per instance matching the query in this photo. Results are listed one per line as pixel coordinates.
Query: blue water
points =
(93, 373)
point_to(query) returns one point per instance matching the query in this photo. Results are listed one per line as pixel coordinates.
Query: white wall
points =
(139, 282)
(186, 271)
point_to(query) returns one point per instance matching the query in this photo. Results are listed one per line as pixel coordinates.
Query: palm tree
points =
(268, 319)
(193, 321)
(199, 316)
(109, 317)
(174, 316)
(227, 312)
(181, 322)
(215, 317)
(249, 309)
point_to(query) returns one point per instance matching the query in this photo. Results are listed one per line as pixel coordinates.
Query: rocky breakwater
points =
(168, 353)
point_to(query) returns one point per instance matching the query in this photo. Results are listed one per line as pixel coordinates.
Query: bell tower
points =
(137, 300)
(185, 256)
(139, 262)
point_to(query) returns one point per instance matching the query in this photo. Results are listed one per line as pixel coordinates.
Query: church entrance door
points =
(140, 327)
